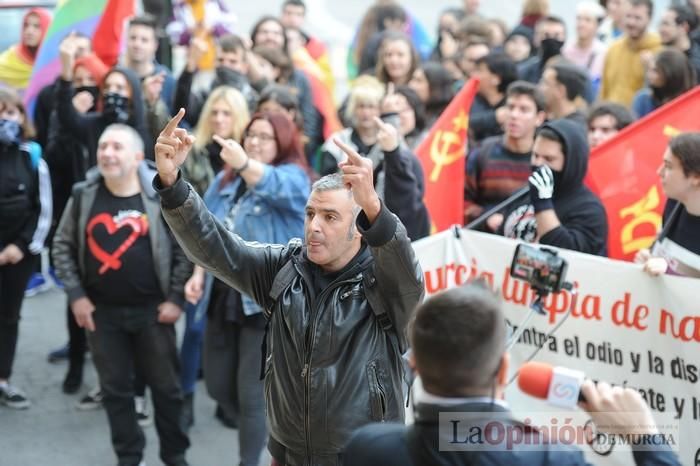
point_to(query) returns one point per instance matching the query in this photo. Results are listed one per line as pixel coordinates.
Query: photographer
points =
(561, 211)
(473, 382)
(677, 250)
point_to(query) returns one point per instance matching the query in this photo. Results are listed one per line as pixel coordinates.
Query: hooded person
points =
(560, 211)
(16, 62)
(66, 154)
(120, 101)
(519, 44)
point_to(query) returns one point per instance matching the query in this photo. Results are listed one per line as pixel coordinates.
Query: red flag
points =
(442, 155)
(106, 42)
(622, 172)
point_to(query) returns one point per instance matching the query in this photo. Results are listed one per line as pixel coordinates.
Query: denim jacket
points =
(272, 211)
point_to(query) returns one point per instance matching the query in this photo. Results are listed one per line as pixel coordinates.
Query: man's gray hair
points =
(135, 141)
(332, 182)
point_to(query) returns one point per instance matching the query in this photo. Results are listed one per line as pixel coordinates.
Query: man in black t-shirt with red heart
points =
(125, 277)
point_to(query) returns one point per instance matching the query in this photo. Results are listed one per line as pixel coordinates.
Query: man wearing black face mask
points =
(561, 211)
(231, 70)
(550, 35)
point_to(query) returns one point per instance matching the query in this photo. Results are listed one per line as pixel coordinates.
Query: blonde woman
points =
(225, 114)
(398, 176)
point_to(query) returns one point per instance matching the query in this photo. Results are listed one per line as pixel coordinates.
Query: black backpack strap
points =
(373, 295)
(284, 277)
(282, 280)
(369, 282)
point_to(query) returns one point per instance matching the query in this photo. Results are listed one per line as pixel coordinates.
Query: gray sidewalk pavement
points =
(53, 433)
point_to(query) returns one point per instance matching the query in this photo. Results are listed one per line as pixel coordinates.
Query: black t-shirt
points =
(681, 244)
(119, 257)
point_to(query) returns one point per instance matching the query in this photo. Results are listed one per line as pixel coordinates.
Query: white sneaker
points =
(13, 397)
(93, 400)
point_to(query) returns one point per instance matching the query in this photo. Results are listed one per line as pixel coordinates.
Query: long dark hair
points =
(441, 88)
(415, 103)
(678, 75)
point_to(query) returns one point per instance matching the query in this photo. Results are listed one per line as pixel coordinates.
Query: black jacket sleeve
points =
(403, 191)
(81, 126)
(185, 98)
(584, 228)
(42, 113)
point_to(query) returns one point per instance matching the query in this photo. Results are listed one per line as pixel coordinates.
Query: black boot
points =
(187, 413)
(74, 379)
(226, 419)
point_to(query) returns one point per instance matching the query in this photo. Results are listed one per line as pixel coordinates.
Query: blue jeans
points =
(129, 336)
(191, 350)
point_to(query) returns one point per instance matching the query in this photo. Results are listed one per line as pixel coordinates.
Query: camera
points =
(542, 268)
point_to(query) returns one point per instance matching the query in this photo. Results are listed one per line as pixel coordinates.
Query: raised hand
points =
(391, 103)
(542, 188)
(153, 86)
(358, 175)
(171, 149)
(231, 152)
(83, 101)
(387, 135)
(67, 51)
(198, 47)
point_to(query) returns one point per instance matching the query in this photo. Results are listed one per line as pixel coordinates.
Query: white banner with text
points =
(626, 327)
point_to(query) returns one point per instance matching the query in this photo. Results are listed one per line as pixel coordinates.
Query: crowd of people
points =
(160, 195)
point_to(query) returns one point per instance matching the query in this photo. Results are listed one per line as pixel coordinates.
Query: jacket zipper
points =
(308, 342)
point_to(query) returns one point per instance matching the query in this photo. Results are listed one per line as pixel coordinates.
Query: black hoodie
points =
(584, 223)
(88, 127)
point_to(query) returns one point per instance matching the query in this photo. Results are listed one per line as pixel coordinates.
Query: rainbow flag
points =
(80, 16)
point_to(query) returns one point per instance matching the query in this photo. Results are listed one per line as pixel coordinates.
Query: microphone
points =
(560, 386)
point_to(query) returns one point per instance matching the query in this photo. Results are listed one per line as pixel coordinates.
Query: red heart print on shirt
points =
(111, 260)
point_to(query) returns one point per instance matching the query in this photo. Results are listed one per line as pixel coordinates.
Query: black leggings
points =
(13, 282)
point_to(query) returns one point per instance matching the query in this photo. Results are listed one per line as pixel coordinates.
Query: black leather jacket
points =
(330, 365)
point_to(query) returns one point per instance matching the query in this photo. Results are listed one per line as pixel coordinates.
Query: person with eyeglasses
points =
(260, 194)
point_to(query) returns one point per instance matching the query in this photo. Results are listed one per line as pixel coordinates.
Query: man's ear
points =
(139, 156)
(541, 117)
(695, 180)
